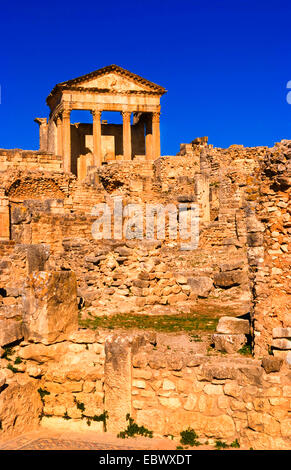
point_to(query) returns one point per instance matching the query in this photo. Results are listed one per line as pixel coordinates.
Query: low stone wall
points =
(92, 380)
(221, 398)
(28, 159)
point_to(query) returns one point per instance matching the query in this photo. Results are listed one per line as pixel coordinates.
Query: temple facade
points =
(110, 88)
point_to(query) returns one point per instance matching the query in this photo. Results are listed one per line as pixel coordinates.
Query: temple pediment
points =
(114, 79)
(114, 82)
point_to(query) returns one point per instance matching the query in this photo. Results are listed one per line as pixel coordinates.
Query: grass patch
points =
(8, 351)
(166, 323)
(246, 350)
(134, 429)
(13, 369)
(223, 445)
(102, 417)
(220, 444)
(189, 438)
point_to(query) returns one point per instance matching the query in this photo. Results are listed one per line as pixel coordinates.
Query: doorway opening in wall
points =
(111, 136)
(81, 142)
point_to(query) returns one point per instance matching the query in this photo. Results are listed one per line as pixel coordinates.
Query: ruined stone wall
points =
(268, 241)
(91, 381)
(228, 399)
(29, 159)
(176, 170)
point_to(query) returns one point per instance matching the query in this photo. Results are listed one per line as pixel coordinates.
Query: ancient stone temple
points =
(110, 88)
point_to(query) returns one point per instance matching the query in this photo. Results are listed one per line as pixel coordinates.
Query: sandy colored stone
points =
(10, 331)
(170, 402)
(282, 343)
(50, 306)
(190, 402)
(168, 385)
(20, 406)
(232, 325)
(201, 286)
(228, 342)
(282, 332)
(272, 364)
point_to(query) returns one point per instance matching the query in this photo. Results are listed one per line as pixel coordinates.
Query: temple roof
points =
(111, 78)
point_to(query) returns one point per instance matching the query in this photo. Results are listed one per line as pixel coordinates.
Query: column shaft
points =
(97, 149)
(149, 137)
(59, 136)
(156, 136)
(66, 140)
(126, 135)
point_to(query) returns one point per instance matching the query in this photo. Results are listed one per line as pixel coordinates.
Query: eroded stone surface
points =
(50, 306)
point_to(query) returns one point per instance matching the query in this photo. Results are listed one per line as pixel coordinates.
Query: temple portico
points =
(108, 89)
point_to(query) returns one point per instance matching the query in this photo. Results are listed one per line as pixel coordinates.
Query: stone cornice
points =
(103, 90)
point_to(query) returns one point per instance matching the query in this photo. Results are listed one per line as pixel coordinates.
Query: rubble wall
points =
(81, 383)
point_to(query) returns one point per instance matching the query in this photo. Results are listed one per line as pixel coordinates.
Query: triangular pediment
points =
(113, 78)
(113, 81)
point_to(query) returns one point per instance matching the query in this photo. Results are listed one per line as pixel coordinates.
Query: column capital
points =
(126, 114)
(96, 113)
(156, 117)
(66, 113)
(41, 121)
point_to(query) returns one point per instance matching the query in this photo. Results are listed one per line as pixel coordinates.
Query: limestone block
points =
(73, 425)
(230, 278)
(20, 406)
(218, 371)
(271, 364)
(117, 383)
(282, 343)
(10, 331)
(229, 343)
(83, 336)
(41, 353)
(200, 286)
(219, 426)
(211, 389)
(231, 266)
(50, 306)
(232, 325)
(181, 279)
(282, 332)
(232, 390)
(250, 374)
(37, 256)
(140, 360)
(170, 402)
(152, 419)
(168, 385)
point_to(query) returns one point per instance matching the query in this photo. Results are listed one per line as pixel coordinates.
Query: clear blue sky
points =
(225, 64)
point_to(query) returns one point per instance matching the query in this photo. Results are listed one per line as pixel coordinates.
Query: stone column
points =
(97, 150)
(66, 140)
(156, 153)
(59, 136)
(4, 218)
(149, 137)
(42, 122)
(126, 135)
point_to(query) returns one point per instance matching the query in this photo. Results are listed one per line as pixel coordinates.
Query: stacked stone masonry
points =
(242, 264)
